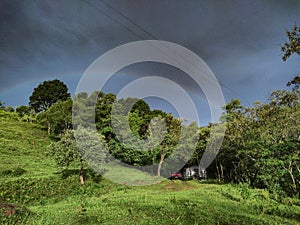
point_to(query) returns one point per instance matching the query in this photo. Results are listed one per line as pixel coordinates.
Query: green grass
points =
(43, 195)
(23, 145)
(167, 203)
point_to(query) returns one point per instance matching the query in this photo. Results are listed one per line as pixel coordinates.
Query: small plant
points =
(6, 172)
(245, 191)
(18, 171)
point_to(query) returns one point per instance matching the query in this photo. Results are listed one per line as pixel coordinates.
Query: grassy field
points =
(34, 191)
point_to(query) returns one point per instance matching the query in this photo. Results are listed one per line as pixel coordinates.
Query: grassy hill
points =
(34, 191)
(23, 146)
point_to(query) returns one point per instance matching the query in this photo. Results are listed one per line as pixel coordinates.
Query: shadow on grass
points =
(88, 174)
(184, 211)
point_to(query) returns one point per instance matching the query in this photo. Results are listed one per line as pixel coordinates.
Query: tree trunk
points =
(81, 175)
(222, 172)
(49, 128)
(218, 172)
(290, 170)
(298, 169)
(162, 157)
(253, 178)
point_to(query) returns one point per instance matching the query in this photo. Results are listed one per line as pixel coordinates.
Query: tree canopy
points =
(293, 44)
(48, 93)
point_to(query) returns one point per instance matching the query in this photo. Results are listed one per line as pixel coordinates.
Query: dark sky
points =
(239, 40)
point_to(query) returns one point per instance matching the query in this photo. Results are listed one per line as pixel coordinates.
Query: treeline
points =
(261, 146)
(143, 122)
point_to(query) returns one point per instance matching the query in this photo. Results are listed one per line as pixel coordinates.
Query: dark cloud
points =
(239, 40)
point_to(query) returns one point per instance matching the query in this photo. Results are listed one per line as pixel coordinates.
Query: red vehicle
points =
(175, 176)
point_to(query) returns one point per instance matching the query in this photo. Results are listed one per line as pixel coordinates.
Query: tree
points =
(23, 110)
(103, 114)
(295, 83)
(127, 133)
(57, 117)
(26, 113)
(261, 145)
(170, 140)
(293, 44)
(2, 105)
(67, 150)
(9, 109)
(48, 93)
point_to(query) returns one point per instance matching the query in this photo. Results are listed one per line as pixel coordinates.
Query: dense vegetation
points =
(260, 148)
(34, 191)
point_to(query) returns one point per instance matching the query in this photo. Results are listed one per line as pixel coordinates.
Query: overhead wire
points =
(149, 34)
(153, 36)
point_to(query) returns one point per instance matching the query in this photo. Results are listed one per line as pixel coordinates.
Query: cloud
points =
(239, 41)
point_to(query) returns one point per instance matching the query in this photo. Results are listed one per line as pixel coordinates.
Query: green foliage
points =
(2, 105)
(23, 110)
(9, 109)
(13, 214)
(41, 195)
(58, 117)
(65, 151)
(90, 146)
(293, 44)
(47, 93)
(135, 112)
(295, 83)
(257, 148)
(86, 146)
(84, 110)
(261, 146)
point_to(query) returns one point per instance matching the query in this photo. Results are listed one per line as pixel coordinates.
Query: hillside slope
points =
(23, 147)
(34, 191)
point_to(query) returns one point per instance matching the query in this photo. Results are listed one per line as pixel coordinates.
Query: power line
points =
(149, 34)
(155, 38)
(113, 19)
(130, 20)
(134, 33)
(139, 27)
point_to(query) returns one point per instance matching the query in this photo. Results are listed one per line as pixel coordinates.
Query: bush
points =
(17, 172)
(6, 172)
(245, 190)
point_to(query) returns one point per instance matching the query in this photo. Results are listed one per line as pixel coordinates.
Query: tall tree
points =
(170, 140)
(292, 46)
(48, 93)
(261, 145)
